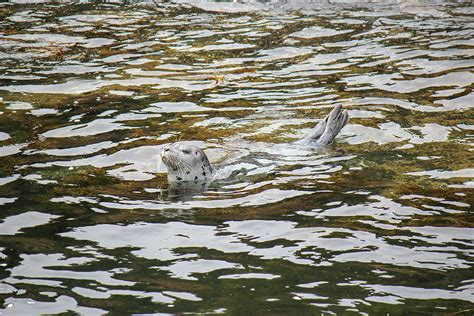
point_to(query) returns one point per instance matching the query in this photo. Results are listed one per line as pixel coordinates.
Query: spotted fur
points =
(186, 163)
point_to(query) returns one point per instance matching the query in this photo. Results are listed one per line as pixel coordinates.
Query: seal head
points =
(186, 163)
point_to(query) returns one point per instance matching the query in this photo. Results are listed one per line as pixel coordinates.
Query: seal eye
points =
(187, 152)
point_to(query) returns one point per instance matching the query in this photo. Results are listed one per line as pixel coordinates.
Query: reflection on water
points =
(379, 222)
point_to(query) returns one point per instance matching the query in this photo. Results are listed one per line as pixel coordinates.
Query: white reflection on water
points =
(445, 174)
(164, 241)
(155, 297)
(38, 266)
(14, 224)
(404, 292)
(11, 149)
(26, 306)
(4, 136)
(317, 31)
(185, 269)
(393, 83)
(269, 196)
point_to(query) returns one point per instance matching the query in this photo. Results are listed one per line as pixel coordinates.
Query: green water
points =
(380, 222)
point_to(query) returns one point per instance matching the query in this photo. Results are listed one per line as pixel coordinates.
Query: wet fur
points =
(186, 163)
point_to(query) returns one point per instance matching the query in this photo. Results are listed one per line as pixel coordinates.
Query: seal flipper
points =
(326, 130)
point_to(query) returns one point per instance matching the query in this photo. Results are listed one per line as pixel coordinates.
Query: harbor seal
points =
(186, 162)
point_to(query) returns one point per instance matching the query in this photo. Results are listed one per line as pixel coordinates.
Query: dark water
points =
(380, 222)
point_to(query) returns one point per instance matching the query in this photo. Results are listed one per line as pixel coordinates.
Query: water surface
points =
(379, 222)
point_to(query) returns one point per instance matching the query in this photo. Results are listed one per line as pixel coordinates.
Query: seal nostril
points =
(166, 149)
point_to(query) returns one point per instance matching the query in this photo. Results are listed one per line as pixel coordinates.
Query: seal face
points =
(186, 163)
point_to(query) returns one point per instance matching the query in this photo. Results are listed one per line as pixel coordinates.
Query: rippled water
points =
(380, 222)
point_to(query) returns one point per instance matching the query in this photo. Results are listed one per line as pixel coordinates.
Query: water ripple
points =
(378, 222)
